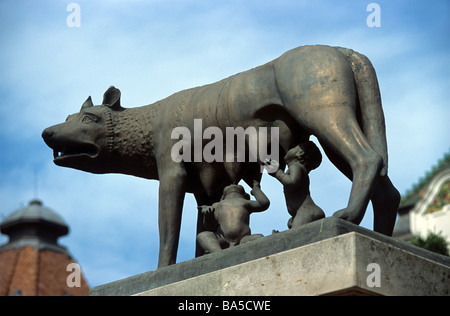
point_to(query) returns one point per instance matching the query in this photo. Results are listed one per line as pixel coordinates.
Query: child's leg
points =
(250, 238)
(208, 241)
(308, 212)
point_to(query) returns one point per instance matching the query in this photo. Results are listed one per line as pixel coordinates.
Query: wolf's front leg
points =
(172, 189)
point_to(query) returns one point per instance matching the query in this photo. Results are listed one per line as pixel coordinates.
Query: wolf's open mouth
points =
(75, 151)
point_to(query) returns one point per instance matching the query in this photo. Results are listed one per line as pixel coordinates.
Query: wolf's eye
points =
(88, 119)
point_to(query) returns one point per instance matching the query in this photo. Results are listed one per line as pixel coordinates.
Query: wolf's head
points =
(85, 140)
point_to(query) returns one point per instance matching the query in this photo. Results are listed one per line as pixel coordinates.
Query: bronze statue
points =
(300, 160)
(227, 222)
(329, 92)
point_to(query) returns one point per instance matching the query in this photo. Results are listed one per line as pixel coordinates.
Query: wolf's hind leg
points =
(385, 201)
(339, 132)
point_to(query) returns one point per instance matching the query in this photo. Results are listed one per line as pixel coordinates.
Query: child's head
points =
(235, 188)
(307, 153)
(313, 156)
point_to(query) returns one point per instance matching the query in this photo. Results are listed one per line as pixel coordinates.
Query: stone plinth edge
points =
(329, 256)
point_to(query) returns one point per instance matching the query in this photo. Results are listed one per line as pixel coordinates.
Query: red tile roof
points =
(33, 272)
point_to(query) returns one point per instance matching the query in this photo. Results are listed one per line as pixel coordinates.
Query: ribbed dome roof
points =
(34, 225)
(35, 211)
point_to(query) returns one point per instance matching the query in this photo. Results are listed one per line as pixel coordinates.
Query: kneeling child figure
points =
(300, 161)
(231, 216)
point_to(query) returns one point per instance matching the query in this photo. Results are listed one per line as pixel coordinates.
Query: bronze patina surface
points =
(329, 92)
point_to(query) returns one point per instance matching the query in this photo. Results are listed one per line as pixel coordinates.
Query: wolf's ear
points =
(87, 104)
(111, 98)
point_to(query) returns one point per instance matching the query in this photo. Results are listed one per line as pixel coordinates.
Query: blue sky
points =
(151, 49)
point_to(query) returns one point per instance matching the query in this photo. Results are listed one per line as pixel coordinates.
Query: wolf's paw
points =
(349, 216)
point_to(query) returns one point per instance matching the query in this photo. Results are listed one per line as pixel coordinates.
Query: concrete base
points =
(327, 257)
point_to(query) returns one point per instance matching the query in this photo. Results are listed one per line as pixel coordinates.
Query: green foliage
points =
(442, 199)
(433, 242)
(413, 194)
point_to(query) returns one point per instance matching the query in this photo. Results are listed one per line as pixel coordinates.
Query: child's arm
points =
(294, 174)
(285, 178)
(262, 203)
(281, 176)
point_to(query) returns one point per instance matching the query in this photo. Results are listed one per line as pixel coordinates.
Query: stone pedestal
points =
(327, 257)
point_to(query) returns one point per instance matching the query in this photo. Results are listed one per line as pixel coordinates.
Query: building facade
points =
(426, 208)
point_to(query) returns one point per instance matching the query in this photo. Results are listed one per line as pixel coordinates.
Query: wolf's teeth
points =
(55, 154)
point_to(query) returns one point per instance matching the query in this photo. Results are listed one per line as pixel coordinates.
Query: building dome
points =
(34, 211)
(32, 262)
(34, 225)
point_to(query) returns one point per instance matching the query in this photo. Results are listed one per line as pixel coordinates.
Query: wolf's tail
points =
(372, 116)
